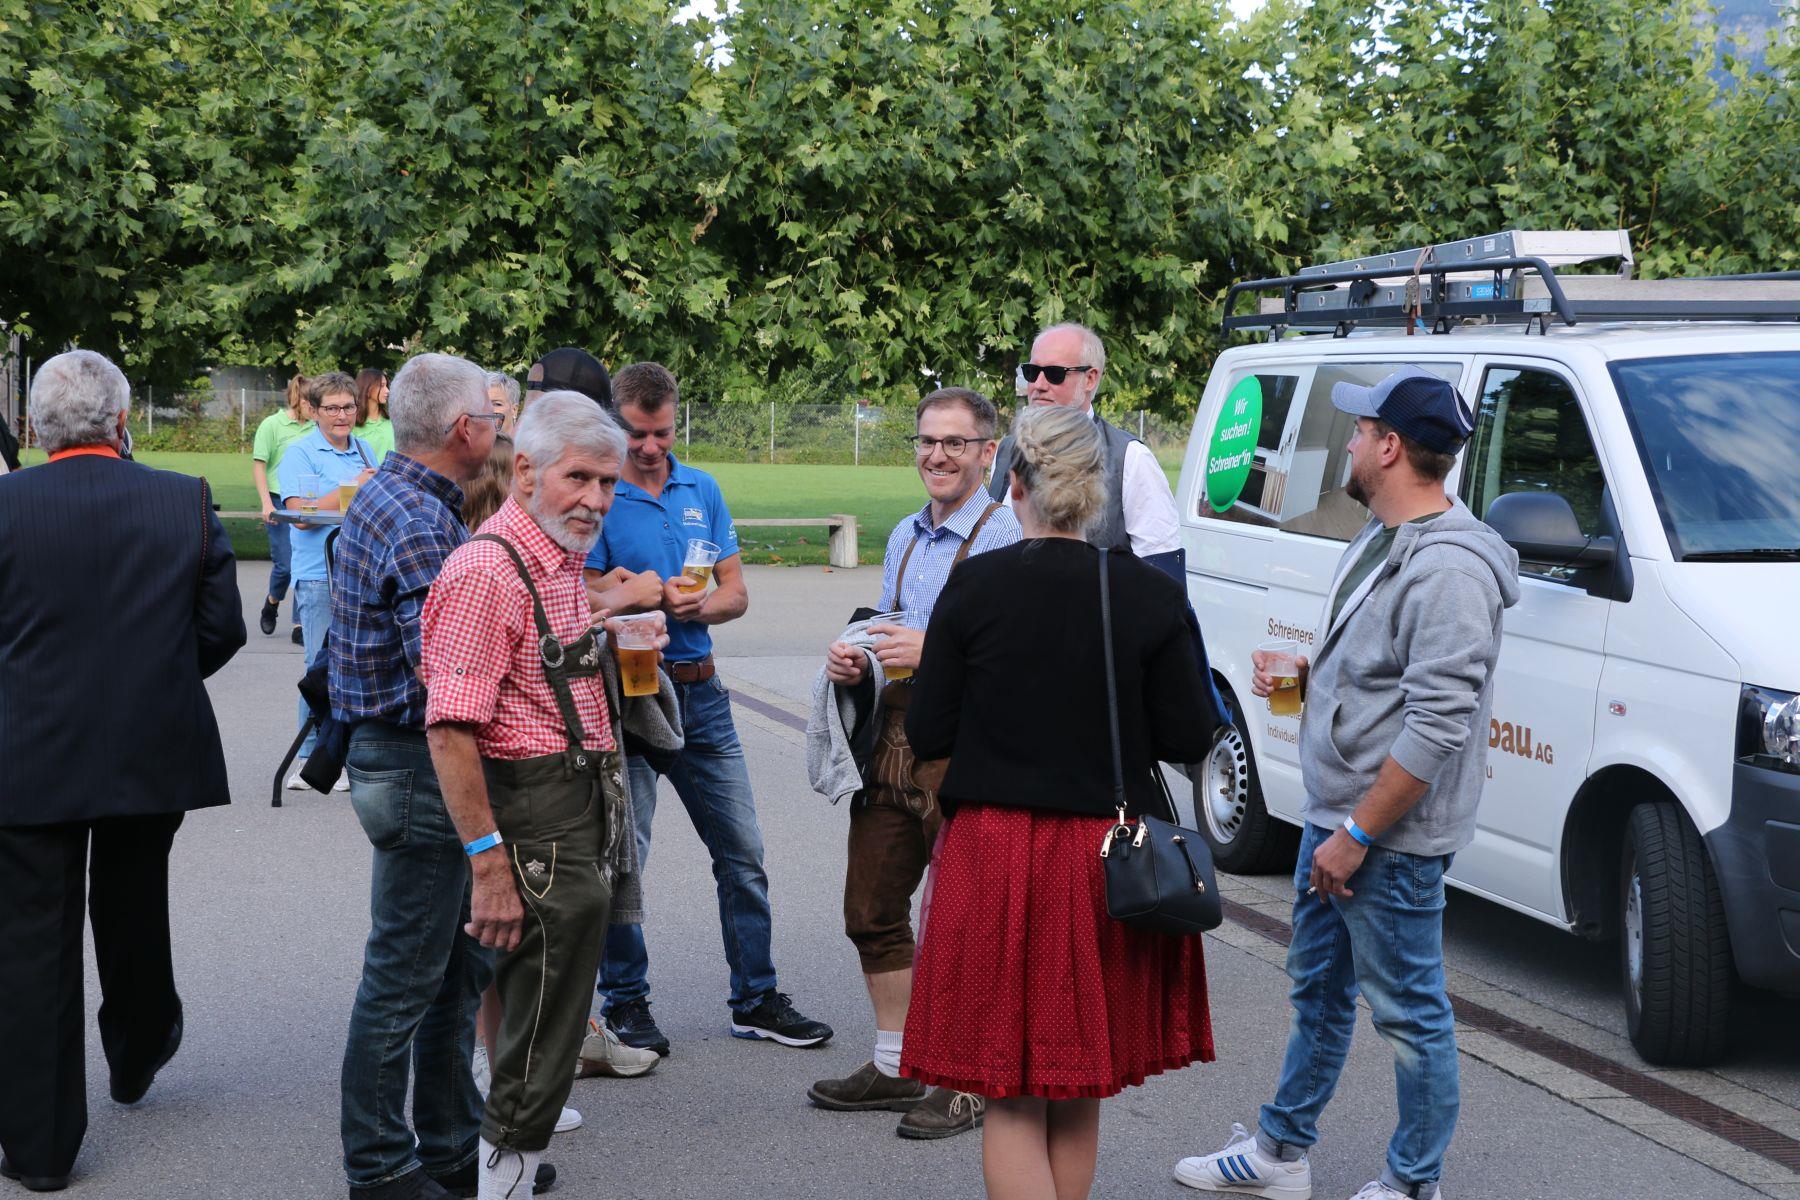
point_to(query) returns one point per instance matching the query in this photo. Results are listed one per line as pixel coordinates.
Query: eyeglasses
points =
(496, 418)
(1054, 374)
(953, 446)
(336, 410)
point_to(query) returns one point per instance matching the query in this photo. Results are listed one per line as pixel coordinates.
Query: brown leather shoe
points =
(865, 1089)
(944, 1113)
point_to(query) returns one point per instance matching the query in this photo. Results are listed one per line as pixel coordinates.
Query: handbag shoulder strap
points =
(1112, 683)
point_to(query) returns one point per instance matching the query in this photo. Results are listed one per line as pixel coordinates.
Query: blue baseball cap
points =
(1417, 403)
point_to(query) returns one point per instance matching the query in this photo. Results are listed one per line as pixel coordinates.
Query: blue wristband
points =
(1355, 831)
(485, 843)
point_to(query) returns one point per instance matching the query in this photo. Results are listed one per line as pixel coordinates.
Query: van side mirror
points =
(1542, 528)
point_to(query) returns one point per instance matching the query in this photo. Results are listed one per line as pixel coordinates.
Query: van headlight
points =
(1769, 728)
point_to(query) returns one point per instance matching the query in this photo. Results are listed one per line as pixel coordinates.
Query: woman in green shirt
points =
(277, 431)
(372, 424)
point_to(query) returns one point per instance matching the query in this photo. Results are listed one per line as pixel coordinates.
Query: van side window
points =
(1318, 469)
(1260, 500)
(1530, 436)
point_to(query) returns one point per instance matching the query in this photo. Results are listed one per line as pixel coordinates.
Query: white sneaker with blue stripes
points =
(1375, 1189)
(1242, 1168)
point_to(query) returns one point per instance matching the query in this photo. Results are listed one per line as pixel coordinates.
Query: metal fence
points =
(840, 434)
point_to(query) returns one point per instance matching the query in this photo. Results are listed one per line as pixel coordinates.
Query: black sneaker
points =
(777, 1020)
(634, 1025)
(270, 610)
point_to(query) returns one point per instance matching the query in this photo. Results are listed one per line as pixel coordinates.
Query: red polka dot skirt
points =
(1024, 986)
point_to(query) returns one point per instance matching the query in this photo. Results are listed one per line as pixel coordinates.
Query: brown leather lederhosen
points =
(893, 822)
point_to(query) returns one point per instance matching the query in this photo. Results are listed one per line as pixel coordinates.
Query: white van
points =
(1644, 753)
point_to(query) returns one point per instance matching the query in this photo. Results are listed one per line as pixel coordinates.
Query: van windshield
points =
(1717, 436)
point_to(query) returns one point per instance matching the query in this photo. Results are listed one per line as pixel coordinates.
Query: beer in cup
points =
(347, 491)
(635, 640)
(1283, 667)
(698, 565)
(893, 674)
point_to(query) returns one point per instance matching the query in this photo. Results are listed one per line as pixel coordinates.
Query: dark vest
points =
(1108, 531)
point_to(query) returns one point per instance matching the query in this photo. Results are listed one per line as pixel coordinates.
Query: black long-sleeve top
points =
(1011, 685)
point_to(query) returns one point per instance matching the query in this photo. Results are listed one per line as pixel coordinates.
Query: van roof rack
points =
(1499, 278)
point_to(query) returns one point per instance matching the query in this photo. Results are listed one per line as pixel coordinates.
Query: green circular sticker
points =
(1233, 449)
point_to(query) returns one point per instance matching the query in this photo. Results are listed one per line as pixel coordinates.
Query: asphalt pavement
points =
(270, 912)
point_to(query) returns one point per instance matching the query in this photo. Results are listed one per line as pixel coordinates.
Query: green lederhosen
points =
(552, 811)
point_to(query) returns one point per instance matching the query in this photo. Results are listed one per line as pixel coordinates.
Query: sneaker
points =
(568, 1119)
(1375, 1189)
(775, 1019)
(1242, 1168)
(635, 1027)
(270, 610)
(342, 784)
(484, 1077)
(945, 1113)
(866, 1089)
(294, 782)
(602, 1053)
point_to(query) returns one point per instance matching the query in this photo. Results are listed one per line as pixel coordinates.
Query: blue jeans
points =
(1386, 940)
(713, 782)
(279, 556)
(422, 976)
(312, 603)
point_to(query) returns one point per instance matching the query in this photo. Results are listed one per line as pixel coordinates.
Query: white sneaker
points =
(1375, 1189)
(1241, 1167)
(483, 1076)
(570, 1119)
(342, 784)
(602, 1053)
(294, 782)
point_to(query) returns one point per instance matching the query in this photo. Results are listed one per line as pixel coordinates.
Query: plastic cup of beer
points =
(893, 674)
(347, 491)
(635, 640)
(698, 565)
(1282, 665)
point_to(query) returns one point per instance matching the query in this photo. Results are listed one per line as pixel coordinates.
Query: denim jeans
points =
(1387, 941)
(713, 782)
(279, 556)
(312, 601)
(422, 976)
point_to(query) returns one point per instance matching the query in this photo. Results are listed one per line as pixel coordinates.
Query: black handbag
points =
(1158, 875)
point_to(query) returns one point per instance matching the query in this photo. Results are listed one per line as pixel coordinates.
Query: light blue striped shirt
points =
(934, 553)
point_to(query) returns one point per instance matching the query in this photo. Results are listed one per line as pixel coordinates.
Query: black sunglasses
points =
(1054, 374)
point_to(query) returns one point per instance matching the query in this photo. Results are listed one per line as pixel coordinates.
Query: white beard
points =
(557, 527)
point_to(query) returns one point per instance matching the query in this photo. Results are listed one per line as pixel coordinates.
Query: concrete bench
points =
(841, 528)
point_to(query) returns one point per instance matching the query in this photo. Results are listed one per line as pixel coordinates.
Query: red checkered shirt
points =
(480, 662)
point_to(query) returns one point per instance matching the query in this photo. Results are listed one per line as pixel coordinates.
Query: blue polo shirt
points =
(651, 533)
(314, 454)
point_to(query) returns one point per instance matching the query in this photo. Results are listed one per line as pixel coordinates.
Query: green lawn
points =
(879, 497)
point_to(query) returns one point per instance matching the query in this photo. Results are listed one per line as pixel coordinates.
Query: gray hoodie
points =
(1407, 670)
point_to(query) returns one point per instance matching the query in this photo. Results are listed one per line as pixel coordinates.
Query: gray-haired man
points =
(422, 975)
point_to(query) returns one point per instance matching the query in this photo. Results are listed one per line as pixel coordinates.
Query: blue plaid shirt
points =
(935, 553)
(397, 533)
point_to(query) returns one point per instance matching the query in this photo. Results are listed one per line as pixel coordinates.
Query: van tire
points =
(1675, 951)
(1243, 837)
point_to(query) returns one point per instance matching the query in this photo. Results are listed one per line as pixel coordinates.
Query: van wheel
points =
(1228, 808)
(1675, 952)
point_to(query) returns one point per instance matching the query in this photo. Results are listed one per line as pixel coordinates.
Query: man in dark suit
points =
(121, 594)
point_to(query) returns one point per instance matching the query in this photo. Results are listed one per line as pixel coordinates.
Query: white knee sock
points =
(887, 1052)
(505, 1174)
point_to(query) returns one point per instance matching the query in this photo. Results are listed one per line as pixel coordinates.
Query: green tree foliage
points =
(856, 196)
